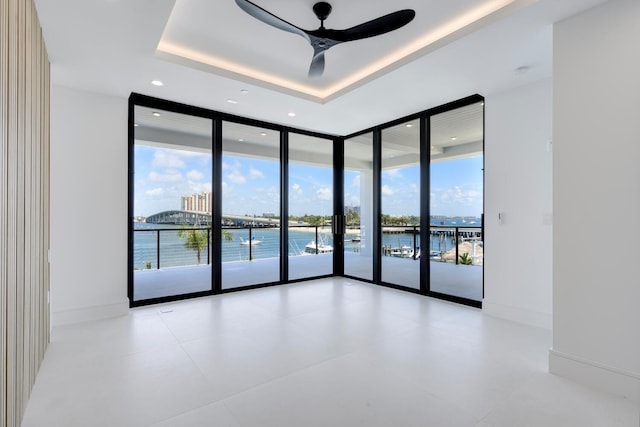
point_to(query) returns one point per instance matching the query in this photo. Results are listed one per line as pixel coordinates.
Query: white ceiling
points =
(117, 47)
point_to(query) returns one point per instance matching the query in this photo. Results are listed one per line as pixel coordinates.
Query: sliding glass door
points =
(250, 205)
(310, 245)
(171, 204)
(400, 205)
(456, 177)
(358, 207)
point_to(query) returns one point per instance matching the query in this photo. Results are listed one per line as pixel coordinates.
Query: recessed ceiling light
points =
(156, 114)
(409, 125)
(244, 91)
(157, 83)
(240, 139)
(292, 114)
(232, 101)
(135, 125)
(263, 134)
(453, 138)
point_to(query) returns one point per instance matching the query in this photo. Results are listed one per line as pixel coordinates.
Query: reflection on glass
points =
(172, 204)
(310, 206)
(250, 205)
(400, 205)
(456, 241)
(358, 206)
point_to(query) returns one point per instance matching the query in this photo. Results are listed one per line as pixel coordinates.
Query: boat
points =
(355, 238)
(312, 248)
(402, 252)
(251, 242)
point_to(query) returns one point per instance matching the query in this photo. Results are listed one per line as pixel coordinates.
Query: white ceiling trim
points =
(448, 32)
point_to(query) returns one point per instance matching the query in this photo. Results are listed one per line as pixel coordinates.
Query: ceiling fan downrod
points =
(322, 10)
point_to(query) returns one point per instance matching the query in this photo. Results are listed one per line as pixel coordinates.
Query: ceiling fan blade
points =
(271, 19)
(317, 63)
(372, 28)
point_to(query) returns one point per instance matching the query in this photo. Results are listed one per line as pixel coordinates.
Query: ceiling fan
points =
(322, 39)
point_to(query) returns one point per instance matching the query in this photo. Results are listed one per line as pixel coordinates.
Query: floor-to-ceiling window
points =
(172, 181)
(219, 203)
(310, 245)
(358, 206)
(250, 205)
(400, 204)
(456, 202)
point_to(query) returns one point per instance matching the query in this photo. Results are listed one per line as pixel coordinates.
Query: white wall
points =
(518, 161)
(88, 205)
(596, 310)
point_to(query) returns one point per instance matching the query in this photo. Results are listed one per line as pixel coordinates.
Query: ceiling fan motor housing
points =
(322, 10)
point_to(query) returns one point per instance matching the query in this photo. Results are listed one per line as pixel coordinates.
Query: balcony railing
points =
(446, 243)
(161, 247)
(156, 248)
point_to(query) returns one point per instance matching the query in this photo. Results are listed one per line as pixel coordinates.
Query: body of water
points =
(173, 252)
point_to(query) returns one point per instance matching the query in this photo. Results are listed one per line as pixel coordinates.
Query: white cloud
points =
(169, 177)
(199, 187)
(456, 195)
(155, 192)
(352, 199)
(255, 173)
(386, 190)
(236, 178)
(195, 175)
(296, 189)
(234, 172)
(414, 188)
(163, 159)
(324, 194)
(392, 173)
(355, 182)
(226, 189)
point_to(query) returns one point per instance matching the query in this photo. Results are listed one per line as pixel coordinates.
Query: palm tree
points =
(227, 235)
(195, 238)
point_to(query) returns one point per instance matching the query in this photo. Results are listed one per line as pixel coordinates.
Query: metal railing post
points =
(456, 240)
(158, 249)
(250, 245)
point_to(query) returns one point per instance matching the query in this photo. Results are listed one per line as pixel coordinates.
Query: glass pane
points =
(310, 206)
(358, 209)
(172, 204)
(250, 205)
(400, 204)
(456, 248)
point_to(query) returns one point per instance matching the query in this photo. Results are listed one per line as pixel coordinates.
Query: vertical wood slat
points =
(12, 160)
(4, 54)
(21, 173)
(24, 205)
(29, 223)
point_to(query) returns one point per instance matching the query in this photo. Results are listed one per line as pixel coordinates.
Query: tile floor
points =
(331, 352)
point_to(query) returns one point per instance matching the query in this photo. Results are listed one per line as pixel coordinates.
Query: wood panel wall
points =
(24, 205)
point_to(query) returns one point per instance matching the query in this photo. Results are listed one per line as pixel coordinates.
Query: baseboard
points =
(597, 375)
(515, 314)
(85, 314)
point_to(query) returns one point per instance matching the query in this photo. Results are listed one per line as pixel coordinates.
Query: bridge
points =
(176, 217)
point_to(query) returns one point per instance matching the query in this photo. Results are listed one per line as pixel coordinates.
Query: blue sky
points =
(251, 186)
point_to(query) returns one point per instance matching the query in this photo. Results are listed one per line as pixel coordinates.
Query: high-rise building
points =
(196, 202)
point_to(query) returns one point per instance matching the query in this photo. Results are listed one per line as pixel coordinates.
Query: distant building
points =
(354, 209)
(196, 202)
(268, 215)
